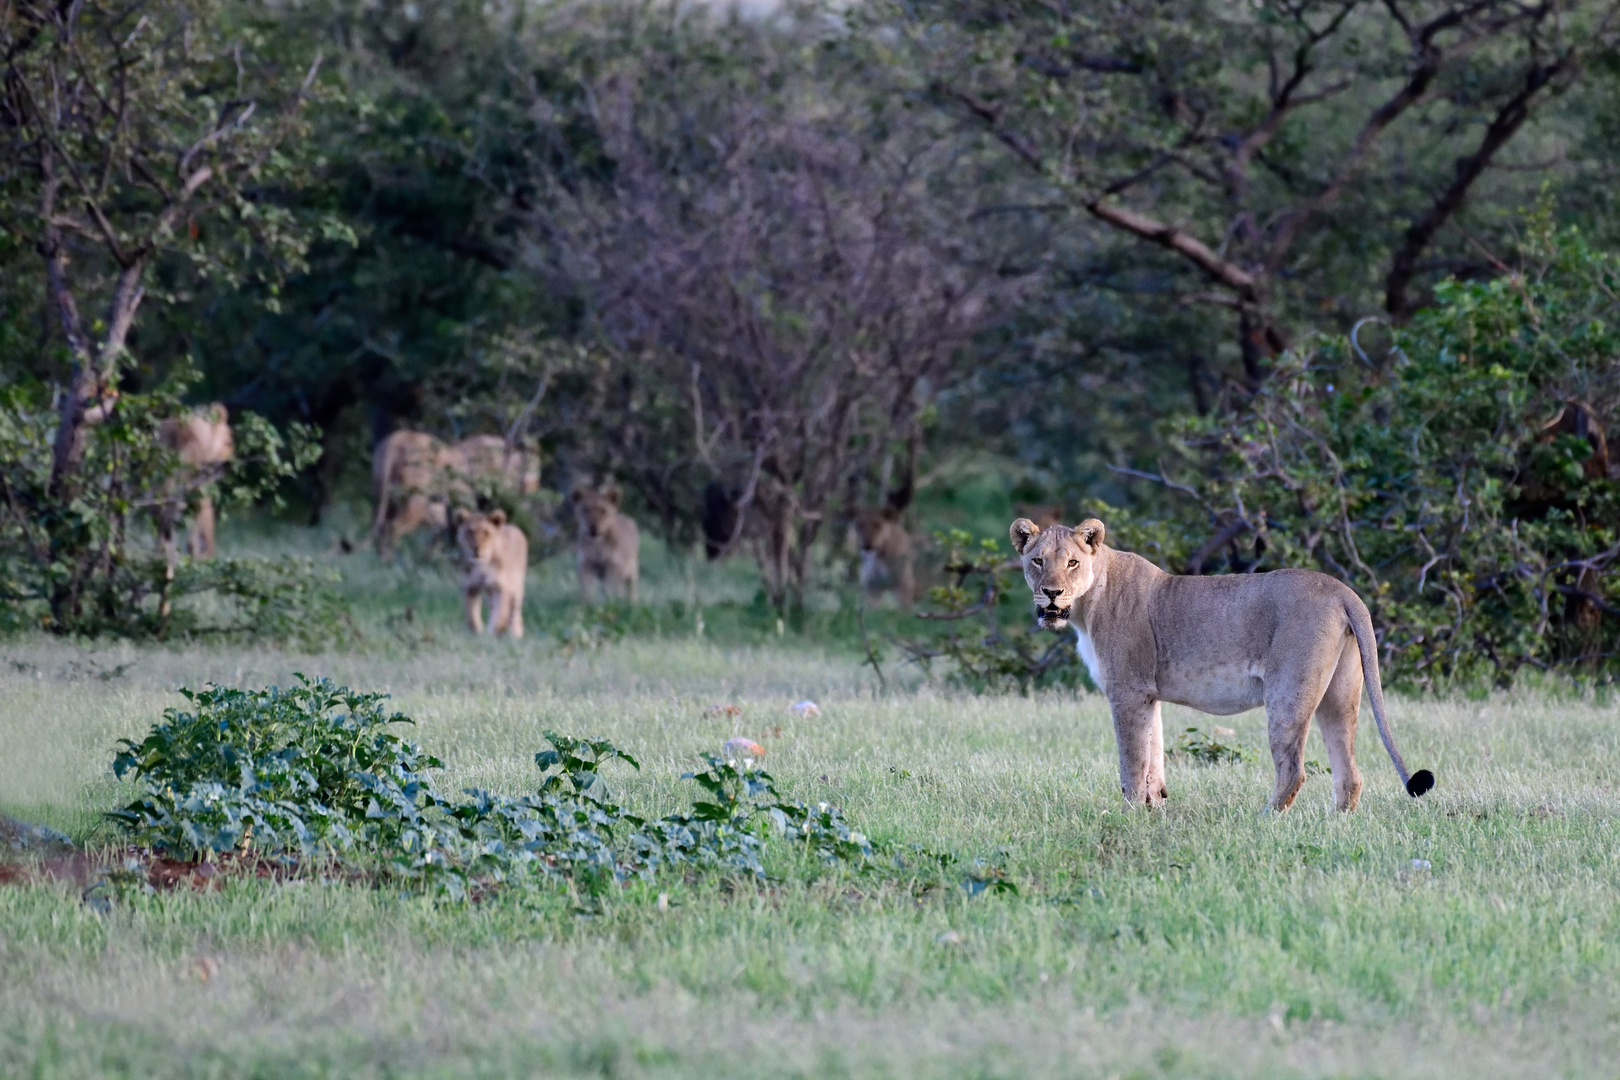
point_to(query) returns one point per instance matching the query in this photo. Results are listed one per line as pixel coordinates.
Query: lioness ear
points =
(576, 495)
(1090, 533)
(612, 495)
(498, 518)
(460, 515)
(218, 413)
(1023, 533)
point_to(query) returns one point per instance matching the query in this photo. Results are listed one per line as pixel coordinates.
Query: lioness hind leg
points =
(1291, 697)
(1337, 714)
(1288, 724)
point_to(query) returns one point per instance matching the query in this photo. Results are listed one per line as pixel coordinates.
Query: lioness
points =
(495, 561)
(1296, 641)
(885, 548)
(202, 440)
(608, 543)
(416, 478)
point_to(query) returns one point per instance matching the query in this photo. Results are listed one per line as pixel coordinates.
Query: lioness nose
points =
(1052, 594)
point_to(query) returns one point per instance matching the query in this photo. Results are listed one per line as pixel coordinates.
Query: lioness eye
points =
(1073, 563)
(1035, 562)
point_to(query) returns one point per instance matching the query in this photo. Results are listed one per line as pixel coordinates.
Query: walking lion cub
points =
(495, 561)
(1296, 641)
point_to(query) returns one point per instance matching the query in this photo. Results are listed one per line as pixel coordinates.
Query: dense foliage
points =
(312, 777)
(987, 637)
(769, 270)
(1459, 479)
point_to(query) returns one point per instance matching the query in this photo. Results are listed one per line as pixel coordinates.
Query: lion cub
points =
(495, 560)
(201, 438)
(608, 543)
(885, 548)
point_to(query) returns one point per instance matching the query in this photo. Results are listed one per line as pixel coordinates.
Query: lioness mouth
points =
(1053, 617)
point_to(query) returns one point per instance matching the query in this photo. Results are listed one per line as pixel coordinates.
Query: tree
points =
(1461, 480)
(785, 268)
(1274, 151)
(131, 135)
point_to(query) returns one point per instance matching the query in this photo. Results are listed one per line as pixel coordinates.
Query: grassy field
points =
(1476, 932)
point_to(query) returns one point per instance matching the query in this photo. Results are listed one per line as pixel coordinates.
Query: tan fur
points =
(202, 440)
(1296, 641)
(608, 544)
(495, 563)
(886, 552)
(487, 457)
(415, 478)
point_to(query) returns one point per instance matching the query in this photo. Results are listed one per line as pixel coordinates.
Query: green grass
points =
(1205, 940)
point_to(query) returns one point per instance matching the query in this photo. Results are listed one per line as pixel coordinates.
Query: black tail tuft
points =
(1421, 782)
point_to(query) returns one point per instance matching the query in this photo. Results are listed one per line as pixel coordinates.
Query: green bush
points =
(1460, 480)
(88, 564)
(988, 637)
(312, 776)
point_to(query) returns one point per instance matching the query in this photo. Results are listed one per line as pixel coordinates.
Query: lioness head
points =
(478, 535)
(1058, 565)
(595, 507)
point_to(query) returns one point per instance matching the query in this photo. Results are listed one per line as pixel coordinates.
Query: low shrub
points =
(988, 643)
(313, 776)
(1211, 748)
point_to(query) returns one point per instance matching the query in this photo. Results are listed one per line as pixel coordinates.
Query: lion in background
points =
(495, 561)
(201, 438)
(886, 552)
(607, 543)
(416, 478)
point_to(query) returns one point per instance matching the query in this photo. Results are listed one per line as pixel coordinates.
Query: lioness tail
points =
(1361, 625)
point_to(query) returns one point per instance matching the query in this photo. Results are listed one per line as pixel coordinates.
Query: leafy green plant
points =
(92, 566)
(310, 770)
(980, 576)
(311, 775)
(1460, 480)
(1210, 749)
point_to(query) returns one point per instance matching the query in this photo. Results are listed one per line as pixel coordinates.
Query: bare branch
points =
(1182, 243)
(1503, 126)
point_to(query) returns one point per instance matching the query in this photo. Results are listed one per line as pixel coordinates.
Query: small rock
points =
(804, 709)
(1421, 864)
(1224, 732)
(663, 901)
(949, 937)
